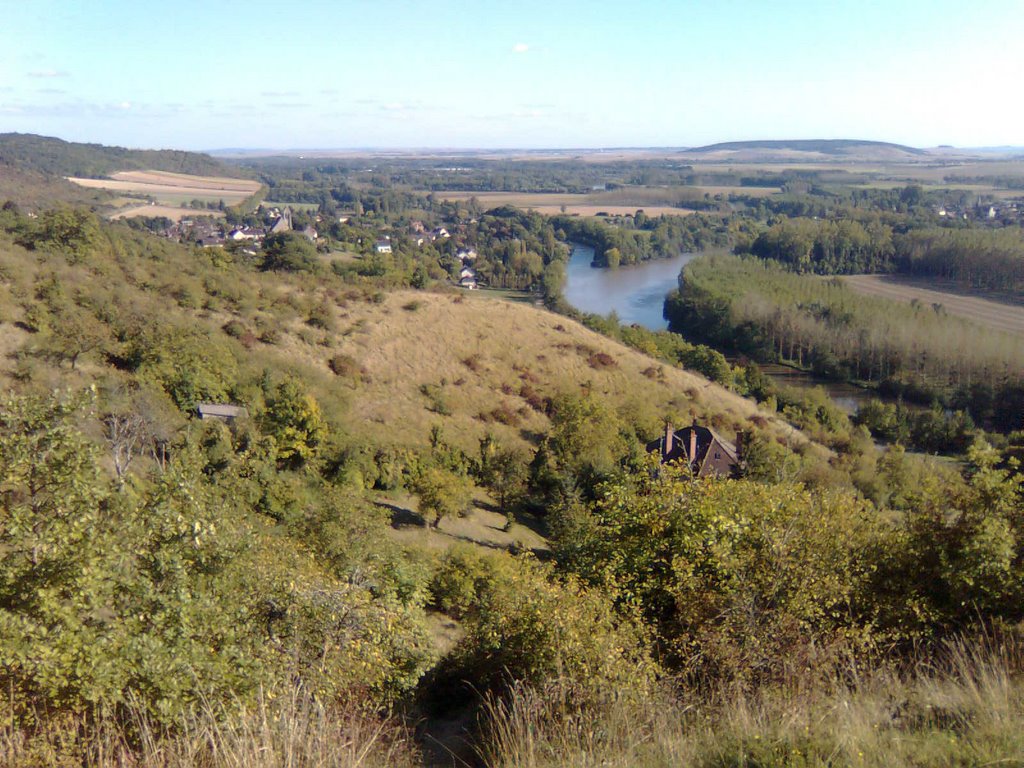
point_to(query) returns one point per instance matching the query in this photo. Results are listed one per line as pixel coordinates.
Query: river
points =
(636, 293)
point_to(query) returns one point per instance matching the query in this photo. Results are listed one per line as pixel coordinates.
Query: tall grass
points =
(966, 708)
(963, 706)
(292, 731)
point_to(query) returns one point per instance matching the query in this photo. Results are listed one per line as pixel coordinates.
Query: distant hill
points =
(822, 146)
(55, 157)
(807, 150)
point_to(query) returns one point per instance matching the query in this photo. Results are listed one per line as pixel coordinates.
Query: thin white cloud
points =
(48, 73)
(520, 48)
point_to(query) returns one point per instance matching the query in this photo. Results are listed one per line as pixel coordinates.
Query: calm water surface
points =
(637, 295)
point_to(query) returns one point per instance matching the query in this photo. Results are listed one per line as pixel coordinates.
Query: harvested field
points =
(611, 210)
(745, 191)
(172, 213)
(1000, 313)
(575, 205)
(174, 188)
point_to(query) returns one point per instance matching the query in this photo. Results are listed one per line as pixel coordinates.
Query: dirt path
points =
(999, 314)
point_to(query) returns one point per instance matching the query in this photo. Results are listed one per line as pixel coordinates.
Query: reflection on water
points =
(847, 396)
(637, 294)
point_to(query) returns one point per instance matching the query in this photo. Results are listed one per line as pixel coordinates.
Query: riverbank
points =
(636, 294)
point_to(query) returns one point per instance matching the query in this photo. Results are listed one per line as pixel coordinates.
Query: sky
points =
(306, 74)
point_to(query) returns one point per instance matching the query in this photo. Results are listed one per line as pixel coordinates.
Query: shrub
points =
(236, 329)
(599, 360)
(321, 317)
(345, 366)
(522, 624)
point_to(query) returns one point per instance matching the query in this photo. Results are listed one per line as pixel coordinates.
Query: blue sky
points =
(204, 74)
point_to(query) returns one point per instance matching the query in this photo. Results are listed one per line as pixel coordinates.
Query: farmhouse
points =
(701, 448)
(382, 246)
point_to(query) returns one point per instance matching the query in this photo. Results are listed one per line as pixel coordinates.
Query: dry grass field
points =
(475, 365)
(998, 313)
(745, 191)
(171, 212)
(174, 188)
(574, 205)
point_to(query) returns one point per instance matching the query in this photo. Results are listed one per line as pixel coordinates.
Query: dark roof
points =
(712, 455)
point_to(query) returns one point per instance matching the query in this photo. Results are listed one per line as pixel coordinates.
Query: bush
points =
(345, 366)
(522, 624)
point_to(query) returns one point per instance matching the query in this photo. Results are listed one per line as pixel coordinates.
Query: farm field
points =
(171, 212)
(312, 207)
(745, 191)
(173, 189)
(1000, 315)
(552, 203)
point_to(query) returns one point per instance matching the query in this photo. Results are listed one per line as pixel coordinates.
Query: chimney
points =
(741, 438)
(666, 446)
(693, 446)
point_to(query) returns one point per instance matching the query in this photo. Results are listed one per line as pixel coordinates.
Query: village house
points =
(283, 222)
(702, 449)
(245, 233)
(382, 246)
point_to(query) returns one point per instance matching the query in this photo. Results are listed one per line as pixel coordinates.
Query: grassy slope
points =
(485, 351)
(477, 354)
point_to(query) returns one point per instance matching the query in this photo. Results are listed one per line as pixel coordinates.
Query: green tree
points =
(505, 476)
(294, 419)
(289, 252)
(442, 493)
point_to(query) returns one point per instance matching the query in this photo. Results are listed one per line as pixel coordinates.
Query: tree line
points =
(764, 310)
